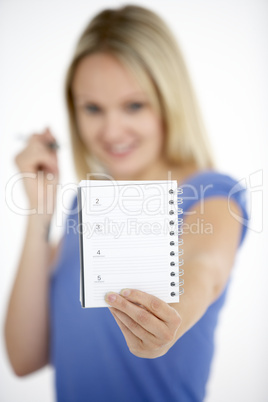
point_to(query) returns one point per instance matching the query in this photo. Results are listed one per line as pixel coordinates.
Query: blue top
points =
(91, 359)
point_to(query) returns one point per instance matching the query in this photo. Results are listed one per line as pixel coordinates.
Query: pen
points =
(53, 145)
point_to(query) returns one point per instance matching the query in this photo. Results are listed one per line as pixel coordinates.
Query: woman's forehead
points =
(104, 73)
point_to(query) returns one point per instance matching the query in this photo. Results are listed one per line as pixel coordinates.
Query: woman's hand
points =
(148, 324)
(38, 164)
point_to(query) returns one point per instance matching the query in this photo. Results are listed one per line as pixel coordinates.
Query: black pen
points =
(53, 145)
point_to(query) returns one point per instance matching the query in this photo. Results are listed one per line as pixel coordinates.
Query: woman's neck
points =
(162, 171)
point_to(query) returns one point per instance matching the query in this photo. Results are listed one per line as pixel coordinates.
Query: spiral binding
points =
(176, 284)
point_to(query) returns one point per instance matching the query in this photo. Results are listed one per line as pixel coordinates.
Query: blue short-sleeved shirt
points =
(91, 359)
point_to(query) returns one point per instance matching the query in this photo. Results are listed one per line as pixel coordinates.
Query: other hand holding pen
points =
(38, 163)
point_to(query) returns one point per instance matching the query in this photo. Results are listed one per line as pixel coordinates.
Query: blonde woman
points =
(133, 115)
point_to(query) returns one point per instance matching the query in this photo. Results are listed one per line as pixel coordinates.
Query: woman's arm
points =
(153, 327)
(26, 325)
(27, 321)
(209, 258)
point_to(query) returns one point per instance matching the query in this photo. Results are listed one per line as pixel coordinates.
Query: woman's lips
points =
(120, 150)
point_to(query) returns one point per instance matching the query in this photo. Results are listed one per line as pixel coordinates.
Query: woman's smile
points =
(120, 150)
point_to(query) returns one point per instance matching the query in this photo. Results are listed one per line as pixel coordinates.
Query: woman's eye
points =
(135, 106)
(91, 108)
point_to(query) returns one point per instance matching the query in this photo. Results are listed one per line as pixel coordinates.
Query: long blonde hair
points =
(141, 40)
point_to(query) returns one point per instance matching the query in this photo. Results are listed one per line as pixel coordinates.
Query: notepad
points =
(129, 236)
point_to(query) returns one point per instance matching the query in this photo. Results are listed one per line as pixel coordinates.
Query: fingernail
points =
(125, 292)
(111, 297)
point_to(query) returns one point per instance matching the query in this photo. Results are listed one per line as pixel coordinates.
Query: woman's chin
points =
(124, 172)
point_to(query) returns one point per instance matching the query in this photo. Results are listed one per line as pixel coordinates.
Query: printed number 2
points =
(97, 200)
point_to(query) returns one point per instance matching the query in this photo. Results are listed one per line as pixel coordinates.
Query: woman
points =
(133, 116)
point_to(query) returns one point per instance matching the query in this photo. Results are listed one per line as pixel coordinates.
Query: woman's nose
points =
(112, 127)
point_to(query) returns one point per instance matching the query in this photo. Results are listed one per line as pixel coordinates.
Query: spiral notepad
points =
(130, 237)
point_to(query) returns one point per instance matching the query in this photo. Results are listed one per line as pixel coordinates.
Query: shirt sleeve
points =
(209, 184)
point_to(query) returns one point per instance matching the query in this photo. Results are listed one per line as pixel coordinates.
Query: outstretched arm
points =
(151, 326)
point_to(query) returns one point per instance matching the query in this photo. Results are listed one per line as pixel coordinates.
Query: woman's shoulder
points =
(206, 184)
(209, 177)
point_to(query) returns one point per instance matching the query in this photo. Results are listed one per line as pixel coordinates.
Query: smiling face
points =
(116, 120)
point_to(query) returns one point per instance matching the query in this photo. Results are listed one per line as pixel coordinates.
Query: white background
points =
(225, 47)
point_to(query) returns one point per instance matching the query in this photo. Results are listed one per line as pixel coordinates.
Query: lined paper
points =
(125, 234)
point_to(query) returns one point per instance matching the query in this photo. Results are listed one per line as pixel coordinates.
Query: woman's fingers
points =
(132, 326)
(150, 317)
(38, 164)
(121, 321)
(148, 324)
(153, 304)
(49, 140)
(37, 155)
(36, 158)
(142, 317)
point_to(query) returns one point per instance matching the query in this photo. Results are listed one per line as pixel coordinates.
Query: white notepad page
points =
(126, 230)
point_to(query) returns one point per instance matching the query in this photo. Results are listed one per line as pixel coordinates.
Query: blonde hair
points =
(139, 39)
